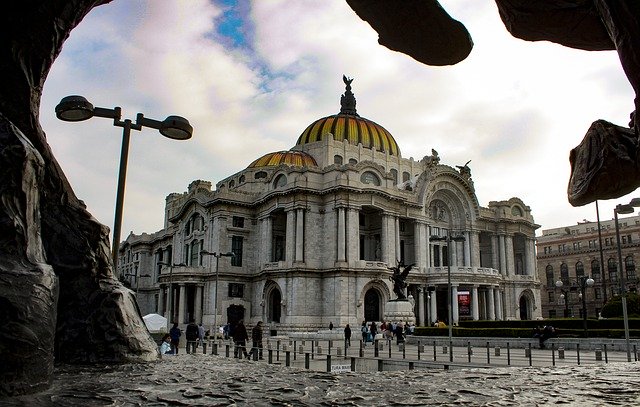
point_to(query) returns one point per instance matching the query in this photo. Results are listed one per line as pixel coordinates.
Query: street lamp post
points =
(77, 108)
(583, 283)
(600, 249)
(214, 331)
(448, 240)
(624, 209)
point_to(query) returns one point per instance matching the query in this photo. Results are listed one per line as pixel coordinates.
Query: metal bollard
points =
(214, 348)
(226, 350)
(328, 363)
(530, 361)
(561, 352)
(306, 360)
(527, 352)
(578, 352)
(270, 360)
(361, 353)
(411, 366)
(404, 350)
(380, 365)
(376, 349)
(287, 358)
(204, 348)
(497, 351)
(353, 364)
(598, 354)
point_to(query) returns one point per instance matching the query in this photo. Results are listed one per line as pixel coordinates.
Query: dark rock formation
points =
(423, 30)
(57, 291)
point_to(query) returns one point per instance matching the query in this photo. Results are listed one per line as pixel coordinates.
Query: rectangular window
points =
(236, 249)
(236, 290)
(238, 222)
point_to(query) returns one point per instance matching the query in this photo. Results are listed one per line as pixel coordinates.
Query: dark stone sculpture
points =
(58, 296)
(421, 29)
(399, 278)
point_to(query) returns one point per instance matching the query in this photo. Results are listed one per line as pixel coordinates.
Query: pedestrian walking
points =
(256, 338)
(191, 334)
(175, 334)
(239, 334)
(347, 336)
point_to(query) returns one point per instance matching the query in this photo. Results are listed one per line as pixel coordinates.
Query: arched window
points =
(564, 274)
(260, 174)
(280, 181)
(232, 184)
(394, 175)
(353, 161)
(242, 179)
(405, 176)
(369, 177)
(595, 271)
(579, 270)
(337, 159)
(516, 211)
(549, 273)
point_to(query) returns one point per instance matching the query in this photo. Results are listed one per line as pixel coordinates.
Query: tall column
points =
(503, 255)
(342, 243)
(396, 228)
(475, 312)
(467, 249)
(434, 306)
(495, 253)
(198, 305)
(290, 237)
(510, 255)
(530, 263)
(353, 235)
(427, 261)
(160, 310)
(420, 305)
(419, 246)
(299, 235)
(453, 247)
(182, 304)
(498, 302)
(454, 307)
(492, 306)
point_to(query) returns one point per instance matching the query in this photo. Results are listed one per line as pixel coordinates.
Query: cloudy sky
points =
(250, 76)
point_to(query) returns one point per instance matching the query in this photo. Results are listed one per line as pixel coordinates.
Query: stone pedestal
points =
(399, 311)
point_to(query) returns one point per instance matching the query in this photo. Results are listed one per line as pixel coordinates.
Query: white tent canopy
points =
(155, 323)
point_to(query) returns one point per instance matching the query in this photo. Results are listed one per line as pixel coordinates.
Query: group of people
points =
(398, 330)
(544, 333)
(196, 334)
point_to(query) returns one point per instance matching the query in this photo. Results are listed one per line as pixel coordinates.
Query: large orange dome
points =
(291, 158)
(348, 125)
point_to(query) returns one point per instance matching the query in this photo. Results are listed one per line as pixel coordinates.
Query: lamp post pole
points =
(214, 330)
(602, 273)
(623, 291)
(77, 108)
(448, 240)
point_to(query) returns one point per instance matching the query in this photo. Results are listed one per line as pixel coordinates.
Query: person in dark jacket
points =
(240, 337)
(175, 334)
(256, 339)
(192, 334)
(347, 336)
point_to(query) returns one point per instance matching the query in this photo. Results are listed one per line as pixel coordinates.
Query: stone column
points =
(197, 305)
(467, 249)
(427, 245)
(419, 246)
(299, 235)
(510, 255)
(182, 304)
(160, 310)
(453, 248)
(475, 311)
(342, 243)
(498, 302)
(266, 255)
(454, 300)
(433, 306)
(503, 255)
(396, 228)
(353, 235)
(420, 306)
(495, 253)
(491, 307)
(290, 236)
(529, 250)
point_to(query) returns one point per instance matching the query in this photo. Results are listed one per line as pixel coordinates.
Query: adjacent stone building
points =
(571, 253)
(315, 229)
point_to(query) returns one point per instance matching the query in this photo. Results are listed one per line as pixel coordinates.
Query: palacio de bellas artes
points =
(316, 230)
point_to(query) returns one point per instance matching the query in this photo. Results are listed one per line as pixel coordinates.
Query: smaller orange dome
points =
(290, 158)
